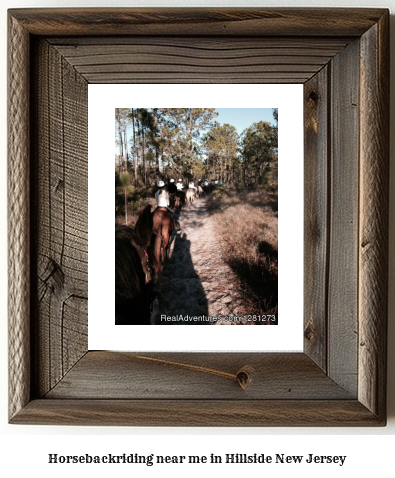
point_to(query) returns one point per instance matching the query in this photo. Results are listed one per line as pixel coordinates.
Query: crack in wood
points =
(243, 376)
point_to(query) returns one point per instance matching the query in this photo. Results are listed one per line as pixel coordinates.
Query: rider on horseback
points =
(180, 193)
(163, 201)
(191, 192)
(180, 186)
(162, 197)
(172, 188)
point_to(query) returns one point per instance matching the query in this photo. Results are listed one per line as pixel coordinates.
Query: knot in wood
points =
(308, 332)
(244, 376)
(313, 96)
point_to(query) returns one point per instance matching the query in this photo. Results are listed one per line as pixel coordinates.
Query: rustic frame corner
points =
(342, 58)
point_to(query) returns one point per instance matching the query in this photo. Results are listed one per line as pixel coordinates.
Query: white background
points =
(25, 449)
(103, 333)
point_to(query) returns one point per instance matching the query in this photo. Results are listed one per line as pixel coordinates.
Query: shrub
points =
(247, 231)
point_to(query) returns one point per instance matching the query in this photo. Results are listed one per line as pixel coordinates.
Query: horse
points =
(181, 195)
(200, 191)
(163, 227)
(133, 279)
(206, 188)
(190, 196)
(175, 203)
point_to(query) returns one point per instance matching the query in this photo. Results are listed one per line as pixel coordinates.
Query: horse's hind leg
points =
(162, 251)
(157, 249)
(165, 245)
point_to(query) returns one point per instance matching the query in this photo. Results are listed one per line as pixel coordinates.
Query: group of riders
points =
(167, 197)
(169, 201)
(140, 253)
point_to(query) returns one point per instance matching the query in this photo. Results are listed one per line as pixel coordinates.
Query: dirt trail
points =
(196, 282)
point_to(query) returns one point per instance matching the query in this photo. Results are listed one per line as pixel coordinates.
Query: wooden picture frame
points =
(342, 58)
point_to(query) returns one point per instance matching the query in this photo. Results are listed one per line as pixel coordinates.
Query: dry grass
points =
(247, 231)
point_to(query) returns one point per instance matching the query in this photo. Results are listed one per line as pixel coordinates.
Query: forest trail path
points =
(196, 281)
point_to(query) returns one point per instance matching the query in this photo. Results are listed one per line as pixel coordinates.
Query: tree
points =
(124, 179)
(221, 145)
(132, 115)
(259, 149)
(158, 143)
(143, 141)
(182, 132)
(200, 119)
(275, 146)
(121, 125)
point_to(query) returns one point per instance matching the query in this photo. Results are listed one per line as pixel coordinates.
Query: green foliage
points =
(221, 146)
(259, 152)
(182, 130)
(124, 179)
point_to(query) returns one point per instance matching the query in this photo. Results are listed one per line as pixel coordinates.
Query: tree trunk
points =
(126, 208)
(120, 141)
(134, 149)
(190, 130)
(139, 141)
(144, 163)
(125, 142)
(156, 143)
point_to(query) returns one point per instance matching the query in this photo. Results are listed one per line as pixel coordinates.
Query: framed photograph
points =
(246, 223)
(340, 57)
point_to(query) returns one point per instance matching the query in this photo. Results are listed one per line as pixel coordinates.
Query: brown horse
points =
(175, 203)
(133, 287)
(163, 227)
(181, 195)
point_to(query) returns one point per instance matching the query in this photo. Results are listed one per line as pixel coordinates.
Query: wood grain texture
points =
(199, 21)
(61, 226)
(343, 253)
(314, 388)
(183, 376)
(224, 60)
(18, 218)
(202, 413)
(373, 232)
(316, 214)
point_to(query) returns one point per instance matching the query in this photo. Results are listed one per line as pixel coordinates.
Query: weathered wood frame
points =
(342, 57)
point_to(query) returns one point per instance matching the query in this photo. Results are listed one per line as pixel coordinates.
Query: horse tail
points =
(157, 244)
(156, 241)
(173, 224)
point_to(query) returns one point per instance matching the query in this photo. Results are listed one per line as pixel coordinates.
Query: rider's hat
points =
(160, 184)
(180, 180)
(172, 180)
